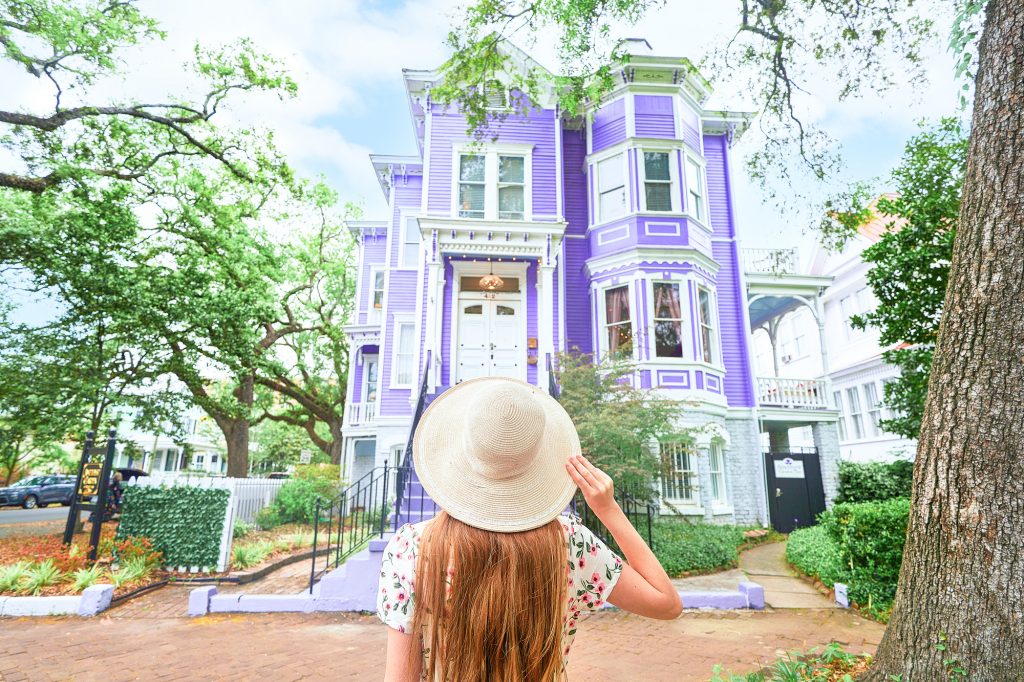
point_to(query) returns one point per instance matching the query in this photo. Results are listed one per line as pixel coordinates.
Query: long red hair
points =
(490, 606)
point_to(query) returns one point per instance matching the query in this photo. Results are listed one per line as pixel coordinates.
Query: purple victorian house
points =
(611, 233)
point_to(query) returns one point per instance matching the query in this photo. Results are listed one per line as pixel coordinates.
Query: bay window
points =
(657, 181)
(617, 323)
(706, 319)
(668, 320)
(695, 188)
(611, 188)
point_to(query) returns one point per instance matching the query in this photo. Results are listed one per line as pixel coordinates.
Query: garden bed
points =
(256, 549)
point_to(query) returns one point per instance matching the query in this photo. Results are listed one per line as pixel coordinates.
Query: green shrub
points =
(184, 523)
(39, 576)
(296, 501)
(12, 575)
(86, 577)
(246, 556)
(813, 552)
(241, 529)
(874, 481)
(682, 546)
(135, 569)
(268, 518)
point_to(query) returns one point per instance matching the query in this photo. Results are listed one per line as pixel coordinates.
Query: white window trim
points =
(722, 504)
(365, 388)
(623, 154)
(716, 332)
(399, 235)
(673, 184)
(374, 316)
(602, 312)
(685, 322)
(491, 152)
(853, 417)
(703, 170)
(692, 504)
(399, 319)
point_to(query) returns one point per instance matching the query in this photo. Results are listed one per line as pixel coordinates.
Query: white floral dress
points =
(592, 570)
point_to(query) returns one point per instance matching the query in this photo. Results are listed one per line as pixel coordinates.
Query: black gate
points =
(795, 492)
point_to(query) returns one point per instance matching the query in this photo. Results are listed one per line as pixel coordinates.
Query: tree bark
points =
(960, 602)
(236, 430)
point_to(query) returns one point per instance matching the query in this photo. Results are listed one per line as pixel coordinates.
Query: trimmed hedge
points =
(860, 544)
(874, 481)
(682, 546)
(815, 553)
(183, 523)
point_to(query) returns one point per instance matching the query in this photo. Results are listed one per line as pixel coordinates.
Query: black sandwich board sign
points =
(91, 488)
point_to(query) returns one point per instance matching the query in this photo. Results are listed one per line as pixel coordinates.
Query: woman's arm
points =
(402, 665)
(643, 587)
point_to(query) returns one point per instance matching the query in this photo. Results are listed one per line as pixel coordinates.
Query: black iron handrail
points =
(403, 478)
(639, 512)
(553, 389)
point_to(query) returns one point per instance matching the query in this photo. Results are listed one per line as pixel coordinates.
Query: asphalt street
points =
(9, 515)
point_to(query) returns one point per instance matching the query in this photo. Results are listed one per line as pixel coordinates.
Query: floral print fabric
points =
(592, 570)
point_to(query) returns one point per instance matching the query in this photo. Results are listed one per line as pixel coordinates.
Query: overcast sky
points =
(347, 57)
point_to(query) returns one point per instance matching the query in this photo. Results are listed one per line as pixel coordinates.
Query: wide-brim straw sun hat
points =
(492, 452)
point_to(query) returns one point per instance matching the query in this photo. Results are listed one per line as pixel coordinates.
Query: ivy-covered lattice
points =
(183, 522)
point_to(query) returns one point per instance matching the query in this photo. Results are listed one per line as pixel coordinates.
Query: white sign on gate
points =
(841, 595)
(789, 468)
(305, 456)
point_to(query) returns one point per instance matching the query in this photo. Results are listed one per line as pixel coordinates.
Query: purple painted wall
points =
(654, 116)
(734, 335)
(372, 252)
(609, 125)
(691, 127)
(448, 129)
(577, 296)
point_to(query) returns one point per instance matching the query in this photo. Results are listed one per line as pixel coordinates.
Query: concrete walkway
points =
(766, 565)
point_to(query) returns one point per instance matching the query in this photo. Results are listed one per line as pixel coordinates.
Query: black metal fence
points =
(639, 512)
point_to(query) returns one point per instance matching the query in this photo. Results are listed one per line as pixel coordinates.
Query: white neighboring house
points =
(852, 356)
(162, 453)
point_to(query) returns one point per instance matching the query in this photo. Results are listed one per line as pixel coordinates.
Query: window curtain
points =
(617, 312)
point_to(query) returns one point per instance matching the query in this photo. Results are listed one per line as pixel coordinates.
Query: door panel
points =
(795, 492)
(489, 339)
(505, 348)
(474, 340)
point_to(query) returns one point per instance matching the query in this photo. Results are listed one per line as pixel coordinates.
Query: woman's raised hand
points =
(596, 486)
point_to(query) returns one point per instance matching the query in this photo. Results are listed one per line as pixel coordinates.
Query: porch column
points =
(545, 320)
(819, 314)
(435, 303)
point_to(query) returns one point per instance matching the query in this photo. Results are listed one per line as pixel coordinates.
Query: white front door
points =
(490, 339)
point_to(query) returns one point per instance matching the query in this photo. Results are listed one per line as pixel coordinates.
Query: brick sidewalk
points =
(609, 646)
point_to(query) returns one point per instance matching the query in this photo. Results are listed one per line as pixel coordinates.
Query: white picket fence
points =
(247, 497)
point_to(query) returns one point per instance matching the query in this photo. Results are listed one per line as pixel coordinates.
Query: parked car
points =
(279, 474)
(39, 491)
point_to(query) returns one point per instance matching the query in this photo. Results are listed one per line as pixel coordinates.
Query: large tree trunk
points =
(236, 430)
(334, 449)
(962, 579)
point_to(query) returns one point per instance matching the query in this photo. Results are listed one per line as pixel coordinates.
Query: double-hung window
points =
(657, 181)
(856, 416)
(874, 408)
(695, 188)
(706, 319)
(376, 294)
(405, 350)
(617, 323)
(837, 398)
(472, 185)
(410, 243)
(611, 188)
(511, 187)
(668, 320)
(716, 469)
(679, 478)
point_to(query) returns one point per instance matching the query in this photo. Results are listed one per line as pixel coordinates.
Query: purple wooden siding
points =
(609, 126)
(574, 201)
(557, 339)
(577, 296)
(538, 129)
(654, 116)
(371, 253)
(691, 127)
(732, 331)
(408, 193)
(357, 382)
(627, 233)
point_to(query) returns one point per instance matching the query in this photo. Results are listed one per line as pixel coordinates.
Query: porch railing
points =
(770, 261)
(639, 512)
(360, 413)
(793, 393)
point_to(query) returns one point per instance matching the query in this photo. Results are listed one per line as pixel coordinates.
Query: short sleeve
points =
(594, 568)
(397, 578)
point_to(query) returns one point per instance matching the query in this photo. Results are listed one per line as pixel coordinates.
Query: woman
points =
(492, 589)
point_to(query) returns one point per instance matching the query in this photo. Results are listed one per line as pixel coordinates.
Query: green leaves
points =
(184, 523)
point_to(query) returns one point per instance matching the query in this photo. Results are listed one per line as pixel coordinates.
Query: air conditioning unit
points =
(787, 359)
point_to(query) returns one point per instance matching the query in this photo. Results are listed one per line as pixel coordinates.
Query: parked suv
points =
(39, 491)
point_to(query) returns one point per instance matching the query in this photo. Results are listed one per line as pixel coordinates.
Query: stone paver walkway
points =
(766, 565)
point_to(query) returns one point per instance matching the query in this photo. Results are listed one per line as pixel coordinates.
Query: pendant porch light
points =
(491, 282)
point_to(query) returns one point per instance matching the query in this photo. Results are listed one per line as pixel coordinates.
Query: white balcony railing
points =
(770, 261)
(804, 394)
(360, 413)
